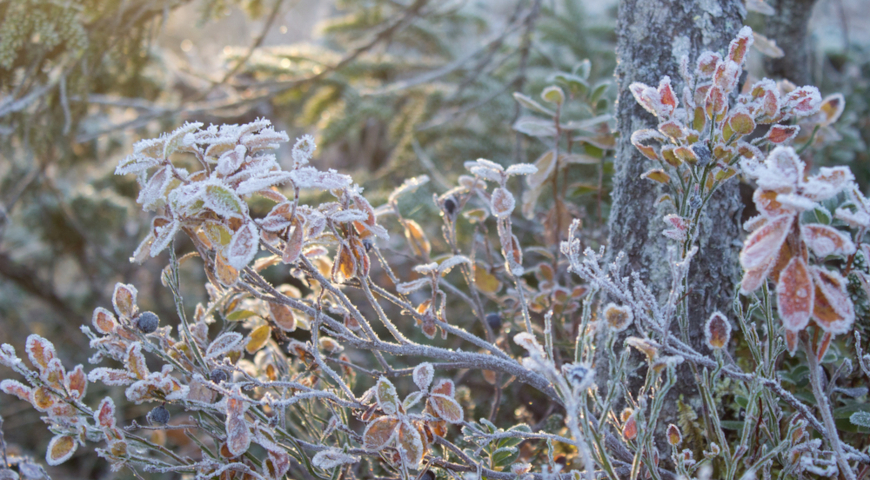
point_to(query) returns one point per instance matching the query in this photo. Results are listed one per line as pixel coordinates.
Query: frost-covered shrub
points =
(302, 381)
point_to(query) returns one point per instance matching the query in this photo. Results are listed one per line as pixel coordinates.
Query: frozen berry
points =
(449, 206)
(494, 321)
(703, 154)
(217, 376)
(147, 322)
(159, 415)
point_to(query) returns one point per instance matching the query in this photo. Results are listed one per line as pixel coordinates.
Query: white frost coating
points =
(408, 186)
(224, 344)
(521, 169)
(244, 246)
(165, 234)
(303, 150)
(348, 215)
(310, 177)
(409, 287)
(451, 262)
(423, 375)
(502, 203)
(427, 268)
(331, 458)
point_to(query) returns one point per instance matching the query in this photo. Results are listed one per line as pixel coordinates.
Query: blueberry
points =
(494, 321)
(159, 415)
(368, 244)
(147, 322)
(703, 154)
(695, 202)
(217, 376)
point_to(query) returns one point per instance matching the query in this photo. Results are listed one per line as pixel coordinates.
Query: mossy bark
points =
(653, 35)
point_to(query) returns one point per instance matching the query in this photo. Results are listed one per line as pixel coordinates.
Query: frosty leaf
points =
(716, 101)
(532, 104)
(502, 203)
(740, 45)
(832, 107)
(348, 215)
(417, 238)
(17, 389)
(767, 203)
(444, 387)
(224, 272)
(762, 246)
(165, 234)
(110, 376)
(408, 287)
(77, 383)
(641, 138)
(42, 399)
(861, 419)
(231, 160)
(795, 295)
(667, 97)
(105, 414)
(618, 318)
(262, 182)
(238, 432)
(135, 163)
(674, 129)
(310, 177)
(446, 407)
(833, 310)
(60, 449)
(40, 351)
(8, 357)
(766, 46)
(445, 266)
(521, 169)
(124, 299)
(647, 97)
(103, 320)
(135, 361)
(379, 433)
(657, 175)
(243, 246)
(293, 246)
(545, 166)
(534, 127)
(151, 195)
(707, 62)
(224, 344)
(411, 400)
(828, 182)
(331, 458)
(257, 338)
(782, 133)
(824, 240)
(178, 138)
(804, 101)
(423, 375)
(740, 122)
(410, 443)
(220, 199)
(388, 399)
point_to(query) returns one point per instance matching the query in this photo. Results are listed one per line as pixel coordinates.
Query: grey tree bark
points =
(653, 35)
(788, 26)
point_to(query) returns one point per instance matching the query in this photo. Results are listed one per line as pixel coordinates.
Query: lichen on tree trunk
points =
(653, 35)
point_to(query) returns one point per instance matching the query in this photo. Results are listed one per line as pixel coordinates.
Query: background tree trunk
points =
(788, 26)
(653, 35)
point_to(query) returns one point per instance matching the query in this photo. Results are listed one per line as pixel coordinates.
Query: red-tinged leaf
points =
(283, 316)
(226, 274)
(423, 375)
(823, 345)
(410, 441)
(278, 464)
(388, 399)
(767, 204)
(717, 331)
(238, 431)
(417, 238)
(789, 250)
(670, 157)
(832, 107)
(40, 351)
(770, 104)
(225, 344)
(804, 100)
(16, 388)
(795, 295)
(762, 246)
(741, 123)
(42, 399)
(111, 376)
(502, 203)
(105, 414)
(444, 387)
(77, 383)
(828, 182)
(103, 320)
(716, 102)
(641, 138)
(782, 133)
(293, 246)
(647, 97)
(824, 240)
(244, 246)
(674, 436)
(833, 311)
(674, 129)
(740, 45)
(707, 62)
(60, 449)
(791, 341)
(124, 300)
(345, 263)
(666, 96)
(54, 374)
(629, 430)
(446, 408)
(380, 433)
(135, 361)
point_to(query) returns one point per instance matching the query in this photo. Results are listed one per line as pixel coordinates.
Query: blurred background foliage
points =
(391, 89)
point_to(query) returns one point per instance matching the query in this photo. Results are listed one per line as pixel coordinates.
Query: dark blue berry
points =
(494, 321)
(449, 206)
(217, 376)
(147, 322)
(159, 415)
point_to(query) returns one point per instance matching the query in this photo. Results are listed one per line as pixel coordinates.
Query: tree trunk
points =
(788, 26)
(653, 35)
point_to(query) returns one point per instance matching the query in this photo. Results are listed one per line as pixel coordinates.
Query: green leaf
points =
(532, 105)
(388, 399)
(535, 127)
(583, 68)
(861, 419)
(237, 315)
(554, 95)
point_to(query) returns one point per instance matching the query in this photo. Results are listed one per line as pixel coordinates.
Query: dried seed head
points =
(147, 322)
(218, 375)
(618, 317)
(493, 319)
(159, 415)
(579, 375)
(674, 435)
(717, 331)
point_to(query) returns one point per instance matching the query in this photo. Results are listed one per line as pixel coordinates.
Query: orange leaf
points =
(824, 240)
(782, 133)
(444, 387)
(762, 246)
(40, 351)
(446, 408)
(124, 299)
(104, 321)
(283, 316)
(410, 440)
(417, 238)
(257, 338)
(833, 311)
(60, 449)
(77, 382)
(379, 433)
(795, 295)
